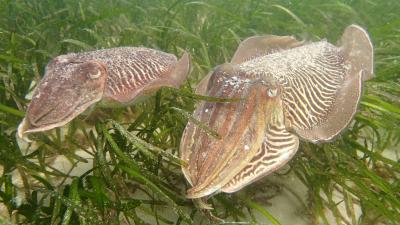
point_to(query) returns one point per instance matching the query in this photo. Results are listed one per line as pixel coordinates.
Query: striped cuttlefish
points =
(288, 90)
(74, 82)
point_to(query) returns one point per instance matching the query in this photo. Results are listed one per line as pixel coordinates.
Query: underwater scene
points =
(269, 112)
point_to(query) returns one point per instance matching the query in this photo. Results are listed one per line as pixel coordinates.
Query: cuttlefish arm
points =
(74, 82)
(213, 162)
(278, 147)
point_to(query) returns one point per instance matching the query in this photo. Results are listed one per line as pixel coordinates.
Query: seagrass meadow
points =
(121, 165)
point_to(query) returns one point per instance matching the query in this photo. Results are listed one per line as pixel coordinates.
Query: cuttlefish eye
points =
(272, 86)
(95, 75)
(92, 70)
(272, 92)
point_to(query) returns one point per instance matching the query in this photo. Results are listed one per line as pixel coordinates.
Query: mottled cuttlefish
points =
(74, 82)
(288, 90)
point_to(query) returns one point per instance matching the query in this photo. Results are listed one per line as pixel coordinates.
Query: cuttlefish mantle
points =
(74, 82)
(290, 90)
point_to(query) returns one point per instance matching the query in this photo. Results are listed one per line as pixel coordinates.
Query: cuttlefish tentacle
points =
(206, 87)
(316, 88)
(74, 82)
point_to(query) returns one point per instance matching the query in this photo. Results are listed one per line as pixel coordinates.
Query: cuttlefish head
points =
(68, 87)
(214, 162)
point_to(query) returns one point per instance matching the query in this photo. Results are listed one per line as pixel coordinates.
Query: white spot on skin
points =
(246, 147)
(62, 59)
(272, 92)
(37, 95)
(235, 82)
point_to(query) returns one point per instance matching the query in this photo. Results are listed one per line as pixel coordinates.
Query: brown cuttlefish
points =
(288, 90)
(74, 82)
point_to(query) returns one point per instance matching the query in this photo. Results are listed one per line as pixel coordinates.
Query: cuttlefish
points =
(117, 76)
(288, 90)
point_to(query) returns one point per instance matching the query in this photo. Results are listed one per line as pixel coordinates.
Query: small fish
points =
(289, 90)
(74, 82)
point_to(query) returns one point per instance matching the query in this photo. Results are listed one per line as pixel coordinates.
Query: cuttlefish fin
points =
(201, 88)
(357, 51)
(174, 78)
(278, 148)
(257, 46)
(180, 72)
